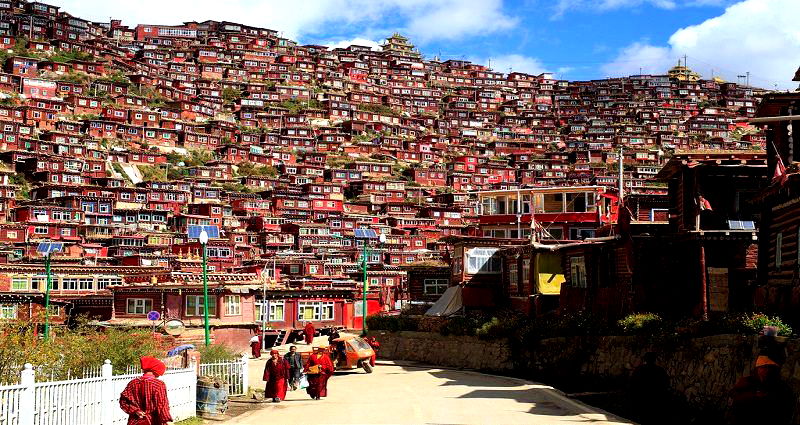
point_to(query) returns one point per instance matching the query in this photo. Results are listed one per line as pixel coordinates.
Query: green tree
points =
(230, 95)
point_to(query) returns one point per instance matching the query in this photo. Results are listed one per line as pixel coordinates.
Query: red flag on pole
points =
(780, 171)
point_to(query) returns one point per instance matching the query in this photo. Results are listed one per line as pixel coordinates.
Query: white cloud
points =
(562, 6)
(424, 20)
(757, 36)
(516, 63)
(454, 19)
(638, 57)
(343, 44)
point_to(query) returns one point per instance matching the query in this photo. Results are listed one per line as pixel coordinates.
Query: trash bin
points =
(212, 397)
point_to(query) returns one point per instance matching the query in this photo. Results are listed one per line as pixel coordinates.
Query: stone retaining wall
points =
(702, 369)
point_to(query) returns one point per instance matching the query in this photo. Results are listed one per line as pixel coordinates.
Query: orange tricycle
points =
(351, 352)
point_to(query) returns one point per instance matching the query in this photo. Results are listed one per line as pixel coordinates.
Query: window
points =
(315, 310)
(435, 286)
(580, 234)
(526, 275)
(139, 305)
(19, 283)
(194, 305)
(553, 203)
(8, 311)
(276, 311)
(86, 283)
(103, 282)
(233, 305)
(69, 283)
(577, 268)
(778, 250)
(482, 260)
(40, 230)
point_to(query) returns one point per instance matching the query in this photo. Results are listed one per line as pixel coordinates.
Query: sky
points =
(575, 39)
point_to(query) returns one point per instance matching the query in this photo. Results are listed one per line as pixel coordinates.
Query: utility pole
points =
(47, 297)
(204, 242)
(621, 171)
(519, 214)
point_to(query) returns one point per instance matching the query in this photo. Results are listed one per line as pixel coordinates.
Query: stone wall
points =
(451, 351)
(702, 369)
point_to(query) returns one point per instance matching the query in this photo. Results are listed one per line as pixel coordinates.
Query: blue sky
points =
(576, 39)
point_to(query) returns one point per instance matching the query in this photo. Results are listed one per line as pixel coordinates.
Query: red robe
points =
(375, 347)
(149, 395)
(276, 374)
(255, 347)
(318, 383)
(308, 333)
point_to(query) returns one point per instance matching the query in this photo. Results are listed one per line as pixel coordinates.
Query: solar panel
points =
(741, 225)
(45, 248)
(365, 234)
(194, 231)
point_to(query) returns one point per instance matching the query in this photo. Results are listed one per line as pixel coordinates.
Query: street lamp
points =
(366, 252)
(364, 235)
(46, 249)
(204, 242)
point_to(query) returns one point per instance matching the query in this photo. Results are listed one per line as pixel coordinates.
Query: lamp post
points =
(204, 241)
(47, 297)
(366, 252)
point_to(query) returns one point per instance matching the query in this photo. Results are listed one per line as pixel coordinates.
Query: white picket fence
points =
(91, 401)
(234, 373)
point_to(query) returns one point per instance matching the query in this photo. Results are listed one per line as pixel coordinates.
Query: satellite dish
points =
(174, 327)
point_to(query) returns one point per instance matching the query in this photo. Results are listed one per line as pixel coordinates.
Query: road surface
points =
(405, 393)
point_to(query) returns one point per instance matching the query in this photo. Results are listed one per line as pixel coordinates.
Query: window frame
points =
(145, 302)
(233, 308)
(436, 283)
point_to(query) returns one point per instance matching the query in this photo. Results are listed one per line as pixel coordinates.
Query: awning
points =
(449, 303)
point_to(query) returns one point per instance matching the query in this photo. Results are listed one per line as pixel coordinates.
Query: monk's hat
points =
(154, 365)
(765, 361)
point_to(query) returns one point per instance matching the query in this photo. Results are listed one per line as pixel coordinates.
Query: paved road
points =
(413, 394)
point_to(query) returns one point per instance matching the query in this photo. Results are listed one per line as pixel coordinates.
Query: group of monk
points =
(280, 373)
(145, 398)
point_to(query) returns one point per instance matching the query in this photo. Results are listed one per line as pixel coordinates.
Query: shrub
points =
(216, 353)
(640, 323)
(68, 352)
(506, 325)
(755, 323)
(402, 322)
(460, 326)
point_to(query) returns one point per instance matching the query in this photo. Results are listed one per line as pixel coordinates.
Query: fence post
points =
(27, 399)
(245, 375)
(107, 406)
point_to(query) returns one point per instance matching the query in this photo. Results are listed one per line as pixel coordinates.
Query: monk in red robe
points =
(145, 398)
(308, 333)
(319, 362)
(255, 346)
(375, 347)
(276, 375)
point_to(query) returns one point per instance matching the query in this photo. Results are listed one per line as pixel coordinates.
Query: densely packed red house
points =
(116, 139)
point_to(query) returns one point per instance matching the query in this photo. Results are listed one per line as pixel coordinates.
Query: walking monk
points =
(276, 374)
(308, 333)
(319, 369)
(145, 398)
(255, 346)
